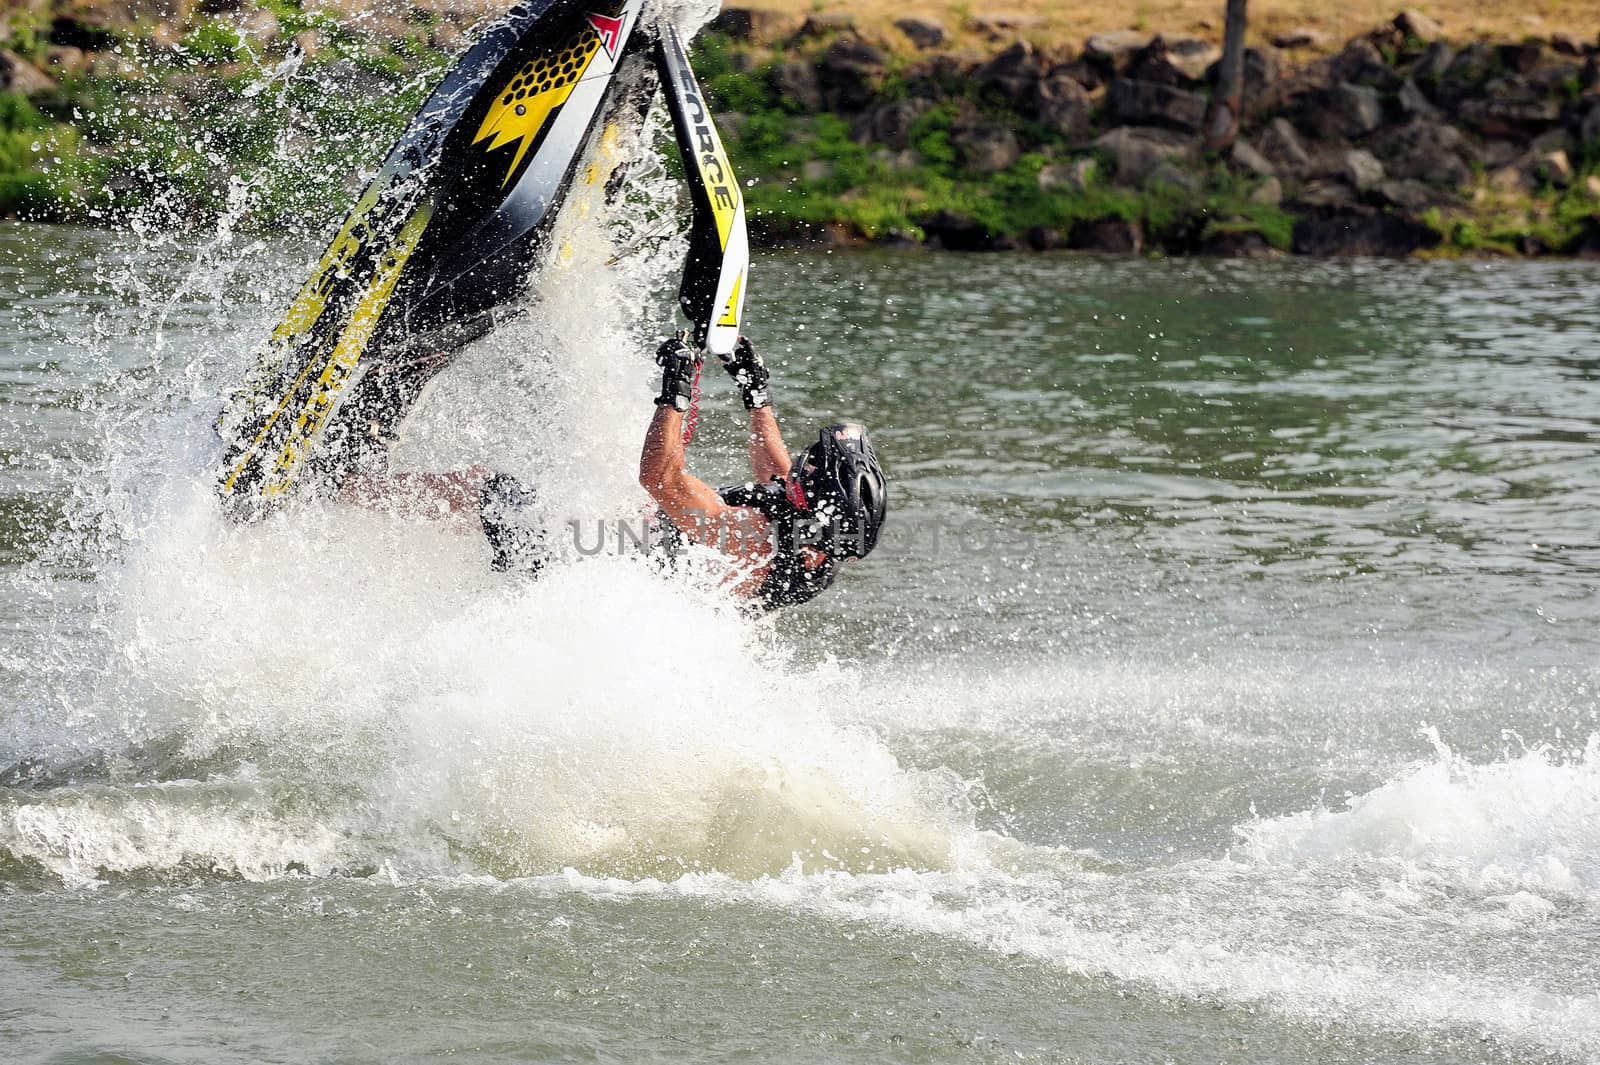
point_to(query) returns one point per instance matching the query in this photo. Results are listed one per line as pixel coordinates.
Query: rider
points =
(791, 527)
(796, 523)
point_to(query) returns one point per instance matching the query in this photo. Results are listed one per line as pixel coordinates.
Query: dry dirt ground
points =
(1070, 21)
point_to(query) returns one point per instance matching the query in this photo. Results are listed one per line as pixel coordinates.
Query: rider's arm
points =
(687, 501)
(768, 457)
(417, 495)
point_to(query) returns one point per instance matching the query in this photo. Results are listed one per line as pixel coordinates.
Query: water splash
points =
(1528, 825)
(338, 689)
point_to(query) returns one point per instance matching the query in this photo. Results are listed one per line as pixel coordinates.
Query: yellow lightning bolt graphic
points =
(533, 95)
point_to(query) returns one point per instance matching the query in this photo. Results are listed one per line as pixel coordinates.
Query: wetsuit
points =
(789, 581)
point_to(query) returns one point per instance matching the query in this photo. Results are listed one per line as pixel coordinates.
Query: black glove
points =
(749, 373)
(678, 364)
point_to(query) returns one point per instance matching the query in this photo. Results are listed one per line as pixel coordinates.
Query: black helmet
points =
(845, 486)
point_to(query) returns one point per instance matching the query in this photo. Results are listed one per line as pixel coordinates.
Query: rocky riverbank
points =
(1397, 142)
(1400, 141)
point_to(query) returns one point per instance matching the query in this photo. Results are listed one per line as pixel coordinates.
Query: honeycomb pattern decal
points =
(534, 93)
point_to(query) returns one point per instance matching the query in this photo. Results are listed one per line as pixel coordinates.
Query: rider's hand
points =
(678, 364)
(749, 373)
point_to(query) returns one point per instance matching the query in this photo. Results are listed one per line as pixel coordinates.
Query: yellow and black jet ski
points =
(452, 228)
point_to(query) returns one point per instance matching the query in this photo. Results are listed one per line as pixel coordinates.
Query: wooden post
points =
(1227, 95)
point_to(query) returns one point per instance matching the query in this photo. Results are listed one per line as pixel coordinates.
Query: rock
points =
(1152, 64)
(852, 53)
(1325, 193)
(1263, 71)
(985, 145)
(931, 76)
(1362, 64)
(1550, 141)
(445, 36)
(797, 82)
(1192, 56)
(1301, 37)
(887, 124)
(1269, 192)
(827, 24)
(1407, 194)
(1146, 103)
(1174, 60)
(1521, 58)
(1510, 110)
(1262, 67)
(1137, 151)
(1434, 62)
(1426, 150)
(1115, 235)
(1530, 245)
(75, 32)
(261, 25)
(1064, 105)
(756, 25)
(309, 42)
(1555, 169)
(849, 74)
(816, 170)
(996, 25)
(1590, 129)
(1075, 176)
(1587, 243)
(165, 36)
(1361, 233)
(1234, 242)
(1471, 67)
(1555, 78)
(61, 60)
(1515, 179)
(1361, 169)
(1244, 157)
(922, 32)
(1414, 23)
(1347, 112)
(835, 235)
(1498, 153)
(1591, 186)
(1085, 73)
(1170, 174)
(1013, 73)
(1413, 104)
(905, 159)
(1565, 44)
(1281, 144)
(1046, 238)
(1116, 49)
(19, 75)
(955, 232)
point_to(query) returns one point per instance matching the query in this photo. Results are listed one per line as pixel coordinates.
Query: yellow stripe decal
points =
(390, 265)
(313, 296)
(346, 353)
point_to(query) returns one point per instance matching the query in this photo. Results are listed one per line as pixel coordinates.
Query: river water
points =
(1226, 692)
